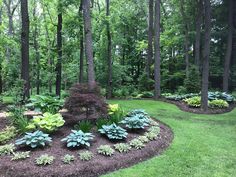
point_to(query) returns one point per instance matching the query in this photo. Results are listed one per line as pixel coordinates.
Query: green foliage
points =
(218, 104)
(48, 122)
(147, 94)
(7, 149)
(105, 150)
(116, 113)
(45, 104)
(86, 155)
(102, 121)
(78, 138)
(194, 101)
(221, 96)
(21, 155)
(137, 121)
(67, 159)
(44, 159)
(7, 134)
(151, 135)
(84, 125)
(137, 144)
(146, 83)
(113, 131)
(192, 82)
(143, 139)
(180, 97)
(35, 139)
(154, 129)
(122, 147)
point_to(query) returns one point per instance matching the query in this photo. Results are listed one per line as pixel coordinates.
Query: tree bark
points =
(81, 60)
(88, 43)
(229, 49)
(157, 56)
(1, 84)
(59, 53)
(150, 38)
(206, 55)
(25, 49)
(109, 52)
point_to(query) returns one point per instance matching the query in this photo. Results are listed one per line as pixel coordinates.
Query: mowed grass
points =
(204, 145)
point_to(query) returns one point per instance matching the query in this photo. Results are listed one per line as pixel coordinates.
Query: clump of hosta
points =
(21, 155)
(122, 147)
(151, 135)
(105, 150)
(154, 129)
(67, 159)
(137, 144)
(143, 139)
(113, 131)
(153, 123)
(7, 149)
(86, 155)
(44, 159)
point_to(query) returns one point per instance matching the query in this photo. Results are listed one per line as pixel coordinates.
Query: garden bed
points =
(98, 165)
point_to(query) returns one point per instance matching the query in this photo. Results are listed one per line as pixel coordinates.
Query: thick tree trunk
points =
(59, 53)
(157, 57)
(88, 42)
(81, 60)
(25, 49)
(150, 38)
(229, 49)
(1, 84)
(206, 55)
(109, 52)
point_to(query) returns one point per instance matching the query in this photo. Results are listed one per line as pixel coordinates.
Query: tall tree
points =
(229, 48)
(81, 63)
(109, 51)
(0, 59)
(157, 56)
(150, 38)
(88, 42)
(25, 48)
(206, 55)
(59, 51)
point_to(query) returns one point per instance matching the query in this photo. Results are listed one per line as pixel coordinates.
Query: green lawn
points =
(204, 145)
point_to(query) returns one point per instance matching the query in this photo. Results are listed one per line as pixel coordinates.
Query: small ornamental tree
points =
(86, 101)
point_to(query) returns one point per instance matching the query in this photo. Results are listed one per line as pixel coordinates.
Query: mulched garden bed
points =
(95, 167)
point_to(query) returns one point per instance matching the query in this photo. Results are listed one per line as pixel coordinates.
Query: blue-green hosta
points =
(78, 138)
(138, 121)
(113, 131)
(35, 139)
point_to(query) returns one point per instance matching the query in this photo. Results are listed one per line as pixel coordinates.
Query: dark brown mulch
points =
(184, 107)
(97, 166)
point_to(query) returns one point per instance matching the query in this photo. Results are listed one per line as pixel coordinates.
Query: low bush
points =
(122, 147)
(102, 121)
(194, 101)
(105, 150)
(44, 159)
(67, 159)
(218, 104)
(7, 134)
(147, 94)
(143, 139)
(84, 125)
(137, 144)
(113, 131)
(138, 121)
(220, 96)
(7, 149)
(86, 155)
(21, 155)
(115, 113)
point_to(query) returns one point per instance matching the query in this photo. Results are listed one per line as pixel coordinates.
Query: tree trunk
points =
(157, 57)
(109, 52)
(150, 38)
(229, 49)
(1, 60)
(59, 53)
(206, 55)
(88, 42)
(81, 60)
(25, 49)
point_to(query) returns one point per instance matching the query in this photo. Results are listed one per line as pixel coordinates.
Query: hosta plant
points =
(143, 139)
(194, 101)
(84, 125)
(138, 121)
(7, 134)
(35, 139)
(44, 159)
(218, 104)
(86, 155)
(21, 155)
(7, 149)
(105, 150)
(67, 159)
(138, 112)
(151, 135)
(137, 144)
(154, 129)
(122, 147)
(78, 138)
(113, 131)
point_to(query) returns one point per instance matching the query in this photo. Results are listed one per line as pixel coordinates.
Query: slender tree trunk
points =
(81, 65)
(109, 52)
(25, 49)
(229, 49)
(0, 59)
(88, 42)
(157, 57)
(206, 55)
(59, 52)
(150, 38)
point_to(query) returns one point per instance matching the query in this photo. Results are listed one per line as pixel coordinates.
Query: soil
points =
(97, 166)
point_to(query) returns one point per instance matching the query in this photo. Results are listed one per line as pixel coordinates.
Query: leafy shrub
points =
(146, 83)
(151, 135)
(35, 139)
(154, 129)
(86, 155)
(45, 104)
(194, 101)
(7, 134)
(44, 159)
(137, 121)
(67, 159)
(112, 108)
(143, 139)
(7, 149)
(116, 113)
(147, 94)
(220, 95)
(192, 82)
(137, 112)
(78, 138)
(21, 155)
(48, 122)
(218, 104)
(83, 100)
(113, 131)
(137, 144)
(122, 147)
(102, 121)
(84, 125)
(181, 97)
(105, 150)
